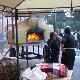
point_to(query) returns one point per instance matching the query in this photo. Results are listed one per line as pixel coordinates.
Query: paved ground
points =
(23, 63)
(76, 70)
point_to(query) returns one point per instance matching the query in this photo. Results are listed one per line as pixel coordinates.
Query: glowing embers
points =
(33, 37)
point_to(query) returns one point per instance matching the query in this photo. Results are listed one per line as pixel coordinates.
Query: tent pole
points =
(54, 20)
(7, 24)
(2, 48)
(12, 27)
(17, 45)
(2, 22)
(71, 6)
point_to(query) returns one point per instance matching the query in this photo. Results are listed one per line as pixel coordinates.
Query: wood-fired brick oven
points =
(28, 29)
(31, 32)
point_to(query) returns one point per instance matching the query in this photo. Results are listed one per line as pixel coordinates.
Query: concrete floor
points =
(23, 62)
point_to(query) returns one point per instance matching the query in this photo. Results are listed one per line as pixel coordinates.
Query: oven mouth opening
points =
(33, 36)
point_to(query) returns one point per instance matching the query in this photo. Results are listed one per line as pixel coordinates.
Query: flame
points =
(33, 37)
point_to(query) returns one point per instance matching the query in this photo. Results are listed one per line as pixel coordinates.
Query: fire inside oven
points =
(35, 35)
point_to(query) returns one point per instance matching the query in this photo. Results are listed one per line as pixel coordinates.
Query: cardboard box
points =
(64, 78)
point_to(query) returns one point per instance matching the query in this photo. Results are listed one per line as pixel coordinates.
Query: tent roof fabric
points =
(49, 4)
(9, 5)
(44, 4)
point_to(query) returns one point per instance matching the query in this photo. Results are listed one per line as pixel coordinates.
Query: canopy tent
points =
(45, 4)
(10, 5)
(35, 5)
